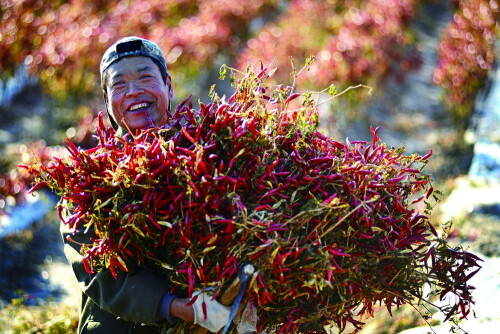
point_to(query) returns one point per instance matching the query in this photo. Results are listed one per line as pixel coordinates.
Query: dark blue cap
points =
(132, 46)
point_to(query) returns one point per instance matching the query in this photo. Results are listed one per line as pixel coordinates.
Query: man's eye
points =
(146, 76)
(117, 84)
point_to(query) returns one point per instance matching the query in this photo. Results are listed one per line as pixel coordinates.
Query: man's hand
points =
(209, 313)
(247, 319)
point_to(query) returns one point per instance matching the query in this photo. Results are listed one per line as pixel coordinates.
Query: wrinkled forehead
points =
(130, 66)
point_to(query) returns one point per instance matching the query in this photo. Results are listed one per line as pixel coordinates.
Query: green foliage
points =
(49, 318)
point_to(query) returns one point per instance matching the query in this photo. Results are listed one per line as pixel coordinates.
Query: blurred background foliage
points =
(352, 42)
(371, 42)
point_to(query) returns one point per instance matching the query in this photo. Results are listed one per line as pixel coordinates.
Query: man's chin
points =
(138, 122)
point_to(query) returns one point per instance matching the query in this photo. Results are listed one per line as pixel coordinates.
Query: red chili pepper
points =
(193, 300)
(337, 252)
(188, 136)
(396, 179)
(427, 156)
(263, 207)
(291, 97)
(412, 170)
(38, 186)
(232, 97)
(191, 280)
(204, 308)
(73, 150)
(429, 192)
(433, 230)
(112, 268)
(88, 268)
(262, 72)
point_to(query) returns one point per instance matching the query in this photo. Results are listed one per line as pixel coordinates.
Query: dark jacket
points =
(127, 304)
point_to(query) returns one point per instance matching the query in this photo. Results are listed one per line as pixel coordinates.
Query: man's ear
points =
(111, 119)
(168, 82)
(105, 101)
(106, 104)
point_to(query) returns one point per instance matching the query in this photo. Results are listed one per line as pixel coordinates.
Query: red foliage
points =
(466, 52)
(15, 183)
(65, 41)
(353, 42)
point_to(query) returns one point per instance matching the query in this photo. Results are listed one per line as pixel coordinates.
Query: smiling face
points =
(136, 95)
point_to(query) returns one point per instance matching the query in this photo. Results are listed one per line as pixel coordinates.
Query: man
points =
(137, 91)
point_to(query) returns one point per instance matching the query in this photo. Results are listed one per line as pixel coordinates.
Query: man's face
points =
(137, 96)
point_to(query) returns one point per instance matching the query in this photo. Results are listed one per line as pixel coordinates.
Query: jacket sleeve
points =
(133, 296)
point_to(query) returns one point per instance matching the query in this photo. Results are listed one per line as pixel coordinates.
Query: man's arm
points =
(178, 309)
(134, 296)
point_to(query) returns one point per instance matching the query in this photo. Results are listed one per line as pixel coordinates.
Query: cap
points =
(132, 46)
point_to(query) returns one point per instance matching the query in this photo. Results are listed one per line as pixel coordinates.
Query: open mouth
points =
(139, 107)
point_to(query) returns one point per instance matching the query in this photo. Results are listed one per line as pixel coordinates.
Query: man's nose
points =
(134, 88)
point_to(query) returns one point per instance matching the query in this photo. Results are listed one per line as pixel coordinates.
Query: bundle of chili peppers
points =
(331, 227)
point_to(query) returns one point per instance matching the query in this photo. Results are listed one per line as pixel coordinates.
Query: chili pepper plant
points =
(332, 228)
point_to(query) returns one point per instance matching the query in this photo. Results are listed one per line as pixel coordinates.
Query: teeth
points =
(138, 106)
